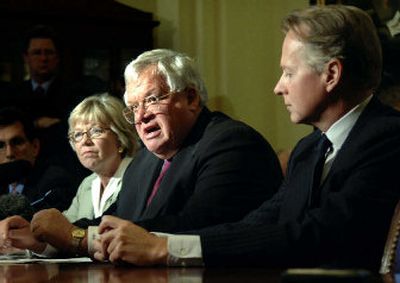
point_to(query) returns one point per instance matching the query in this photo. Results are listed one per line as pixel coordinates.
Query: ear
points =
(193, 99)
(36, 147)
(333, 74)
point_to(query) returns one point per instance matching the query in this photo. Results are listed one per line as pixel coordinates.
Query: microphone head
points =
(14, 171)
(15, 204)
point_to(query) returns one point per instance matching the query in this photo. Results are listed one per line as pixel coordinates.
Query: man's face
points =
(164, 125)
(14, 145)
(42, 59)
(301, 87)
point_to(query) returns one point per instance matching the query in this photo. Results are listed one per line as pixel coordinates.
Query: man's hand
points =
(122, 240)
(15, 232)
(51, 226)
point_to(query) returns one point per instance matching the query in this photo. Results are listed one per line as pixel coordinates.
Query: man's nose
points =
(278, 90)
(141, 111)
(143, 115)
(10, 152)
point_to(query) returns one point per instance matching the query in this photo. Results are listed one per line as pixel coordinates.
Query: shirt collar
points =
(339, 131)
(44, 85)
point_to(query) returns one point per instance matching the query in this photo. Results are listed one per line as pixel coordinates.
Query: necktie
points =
(321, 150)
(158, 181)
(15, 188)
(39, 91)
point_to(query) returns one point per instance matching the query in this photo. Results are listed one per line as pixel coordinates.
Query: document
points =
(27, 257)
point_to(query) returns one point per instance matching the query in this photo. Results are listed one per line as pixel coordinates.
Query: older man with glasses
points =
(197, 168)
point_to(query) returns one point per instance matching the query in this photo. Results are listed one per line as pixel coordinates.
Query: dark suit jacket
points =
(43, 178)
(348, 227)
(224, 170)
(58, 102)
(61, 97)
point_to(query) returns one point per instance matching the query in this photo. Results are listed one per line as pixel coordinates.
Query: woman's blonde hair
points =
(106, 110)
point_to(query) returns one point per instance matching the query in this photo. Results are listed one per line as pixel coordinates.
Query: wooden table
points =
(104, 273)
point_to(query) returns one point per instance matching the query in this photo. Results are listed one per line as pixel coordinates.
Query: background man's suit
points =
(57, 102)
(43, 178)
(223, 170)
(349, 225)
(60, 98)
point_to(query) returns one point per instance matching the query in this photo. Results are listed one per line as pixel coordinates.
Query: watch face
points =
(78, 233)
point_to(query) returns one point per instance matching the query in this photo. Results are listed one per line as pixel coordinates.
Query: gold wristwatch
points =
(77, 235)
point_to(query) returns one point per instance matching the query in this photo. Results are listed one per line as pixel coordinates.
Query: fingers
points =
(14, 230)
(99, 256)
(16, 222)
(108, 231)
(11, 223)
(99, 251)
(109, 222)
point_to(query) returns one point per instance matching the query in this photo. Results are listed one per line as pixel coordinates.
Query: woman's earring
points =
(120, 150)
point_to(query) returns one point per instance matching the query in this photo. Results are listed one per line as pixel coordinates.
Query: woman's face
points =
(97, 147)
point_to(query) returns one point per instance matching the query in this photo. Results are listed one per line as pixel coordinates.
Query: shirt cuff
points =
(92, 235)
(183, 250)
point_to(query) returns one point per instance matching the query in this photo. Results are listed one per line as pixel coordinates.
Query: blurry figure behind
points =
(19, 141)
(48, 97)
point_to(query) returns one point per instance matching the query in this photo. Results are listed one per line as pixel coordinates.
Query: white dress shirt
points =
(88, 203)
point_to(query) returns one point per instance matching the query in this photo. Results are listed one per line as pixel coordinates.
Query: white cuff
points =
(92, 235)
(183, 250)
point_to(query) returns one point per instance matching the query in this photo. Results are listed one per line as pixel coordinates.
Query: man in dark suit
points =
(219, 169)
(44, 185)
(48, 97)
(331, 63)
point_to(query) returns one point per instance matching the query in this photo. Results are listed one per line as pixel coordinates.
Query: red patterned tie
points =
(158, 181)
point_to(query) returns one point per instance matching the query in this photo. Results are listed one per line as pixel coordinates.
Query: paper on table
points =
(20, 258)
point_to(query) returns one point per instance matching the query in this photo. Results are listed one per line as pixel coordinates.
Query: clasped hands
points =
(48, 226)
(119, 240)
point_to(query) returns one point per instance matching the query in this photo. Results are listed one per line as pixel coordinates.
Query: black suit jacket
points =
(223, 170)
(348, 227)
(59, 100)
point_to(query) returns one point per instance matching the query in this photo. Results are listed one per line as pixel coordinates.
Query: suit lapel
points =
(299, 179)
(351, 148)
(146, 185)
(137, 185)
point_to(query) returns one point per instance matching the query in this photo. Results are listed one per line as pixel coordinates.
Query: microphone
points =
(15, 204)
(11, 172)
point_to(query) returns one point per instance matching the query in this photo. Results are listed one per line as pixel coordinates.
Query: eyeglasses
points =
(16, 142)
(92, 133)
(130, 112)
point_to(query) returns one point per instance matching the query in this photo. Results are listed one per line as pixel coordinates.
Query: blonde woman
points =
(104, 143)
